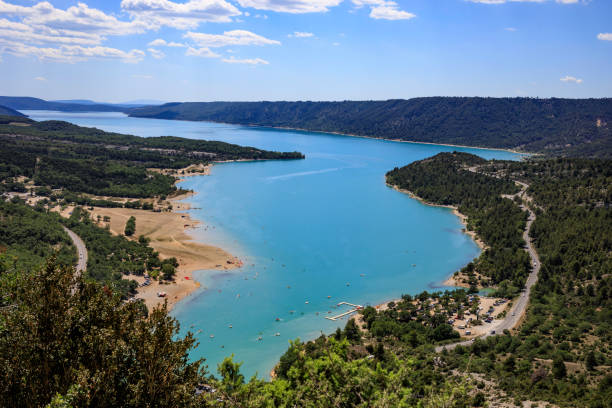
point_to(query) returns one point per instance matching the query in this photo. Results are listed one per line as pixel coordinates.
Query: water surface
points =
(311, 233)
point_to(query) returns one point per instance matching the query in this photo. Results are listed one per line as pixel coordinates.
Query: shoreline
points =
(348, 134)
(452, 280)
(170, 235)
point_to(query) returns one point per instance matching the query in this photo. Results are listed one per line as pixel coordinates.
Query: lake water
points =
(305, 229)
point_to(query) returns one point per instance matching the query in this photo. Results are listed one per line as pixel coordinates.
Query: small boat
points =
(212, 336)
(329, 297)
(276, 334)
(259, 338)
(230, 326)
(348, 284)
(306, 302)
(278, 319)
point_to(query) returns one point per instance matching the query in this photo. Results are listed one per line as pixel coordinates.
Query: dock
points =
(354, 309)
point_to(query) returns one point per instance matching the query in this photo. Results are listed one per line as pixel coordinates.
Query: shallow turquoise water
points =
(306, 230)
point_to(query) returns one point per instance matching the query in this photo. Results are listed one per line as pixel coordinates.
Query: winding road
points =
(81, 265)
(518, 310)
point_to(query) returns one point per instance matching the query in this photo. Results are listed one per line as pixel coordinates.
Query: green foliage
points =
(558, 367)
(130, 226)
(31, 235)
(570, 306)
(88, 160)
(446, 179)
(68, 342)
(551, 126)
(111, 257)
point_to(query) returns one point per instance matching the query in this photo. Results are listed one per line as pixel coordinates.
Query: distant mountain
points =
(78, 101)
(576, 127)
(4, 110)
(29, 103)
(141, 102)
(129, 104)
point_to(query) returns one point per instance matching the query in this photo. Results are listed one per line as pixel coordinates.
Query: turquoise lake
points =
(305, 229)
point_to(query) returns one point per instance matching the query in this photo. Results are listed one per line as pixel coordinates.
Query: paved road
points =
(516, 313)
(81, 265)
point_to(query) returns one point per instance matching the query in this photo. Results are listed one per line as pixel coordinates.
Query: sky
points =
(249, 50)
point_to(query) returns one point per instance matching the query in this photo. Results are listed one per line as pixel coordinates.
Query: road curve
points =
(81, 265)
(519, 308)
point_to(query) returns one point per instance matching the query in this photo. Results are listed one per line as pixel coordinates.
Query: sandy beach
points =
(169, 235)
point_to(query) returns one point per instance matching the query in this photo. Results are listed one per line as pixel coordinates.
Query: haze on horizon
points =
(205, 50)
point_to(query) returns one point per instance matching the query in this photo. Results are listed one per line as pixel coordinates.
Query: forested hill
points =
(4, 110)
(59, 154)
(29, 103)
(573, 127)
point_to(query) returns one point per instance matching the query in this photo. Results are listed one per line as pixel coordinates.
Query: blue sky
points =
(203, 50)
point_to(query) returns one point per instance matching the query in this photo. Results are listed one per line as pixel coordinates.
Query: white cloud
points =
(301, 34)
(70, 35)
(291, 6)
(511, 29)
(75, 20)
(336, 44)
(70, 53)
(40, 78)
(604, 36)
(234, 37)
(163, 43)
(157, 54)
(384, 10)
(569, 78)
(201, 52)
(142, 76)
(253, 61)
(183, 16)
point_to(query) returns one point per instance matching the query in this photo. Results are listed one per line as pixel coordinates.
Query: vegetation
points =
(28, 236)
(112, 258)
(130, 226)
(74, 342)
(6, 111)
(29, 103)
(446, 179)
(575, 127)
(58, 154)
(67, 342)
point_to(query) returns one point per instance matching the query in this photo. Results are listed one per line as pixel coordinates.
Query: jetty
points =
(354, 309)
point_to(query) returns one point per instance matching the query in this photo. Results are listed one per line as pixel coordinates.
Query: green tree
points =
(130, 226)
(74, 342)
(558, 366)
(168, 271)
(230, 374)
(591, 361)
